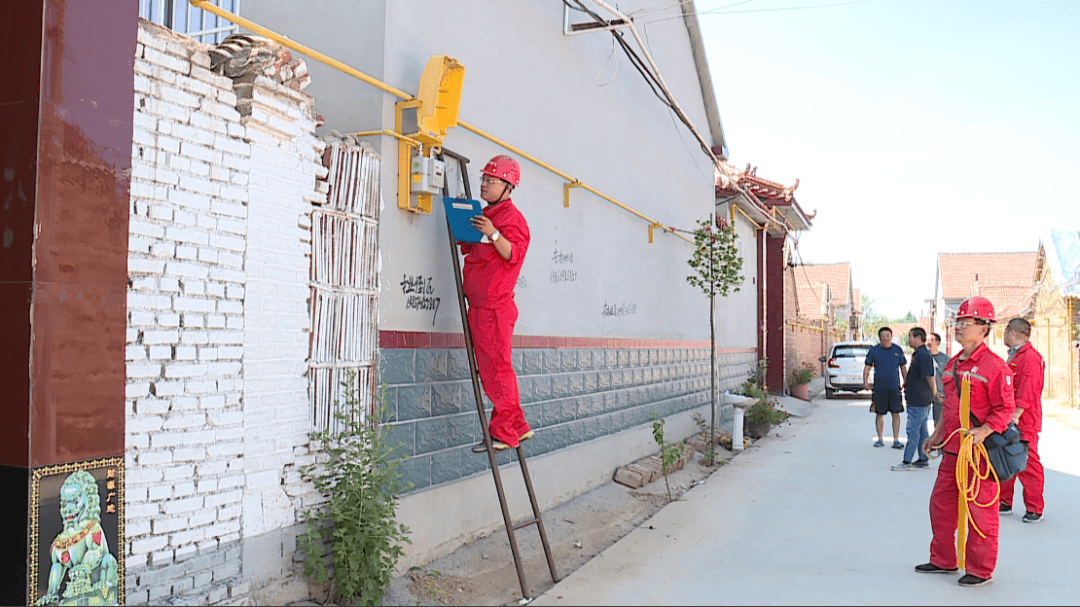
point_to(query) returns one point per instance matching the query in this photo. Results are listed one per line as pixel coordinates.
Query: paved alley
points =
(813, 515)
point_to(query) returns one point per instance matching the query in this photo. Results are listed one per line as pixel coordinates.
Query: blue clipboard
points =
(459, 213)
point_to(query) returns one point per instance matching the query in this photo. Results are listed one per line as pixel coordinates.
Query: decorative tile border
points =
(425, 340)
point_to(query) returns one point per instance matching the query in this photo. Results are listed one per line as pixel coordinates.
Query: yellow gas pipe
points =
(403, 141)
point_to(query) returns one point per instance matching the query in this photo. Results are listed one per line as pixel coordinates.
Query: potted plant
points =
(761, 417)
(765, 412)
(799, 380)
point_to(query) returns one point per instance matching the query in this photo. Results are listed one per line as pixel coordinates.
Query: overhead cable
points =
(721, 11)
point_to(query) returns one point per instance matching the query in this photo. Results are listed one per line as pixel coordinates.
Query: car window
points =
(850, 352)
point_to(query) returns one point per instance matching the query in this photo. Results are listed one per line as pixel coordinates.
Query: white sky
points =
(915, 126)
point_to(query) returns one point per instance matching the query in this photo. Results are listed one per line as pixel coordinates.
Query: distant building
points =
(1054, 312)
(765, 213)
(1006, 279)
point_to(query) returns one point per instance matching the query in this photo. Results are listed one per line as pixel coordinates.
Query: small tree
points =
(717, 266)
(669, 452)
(871, 319)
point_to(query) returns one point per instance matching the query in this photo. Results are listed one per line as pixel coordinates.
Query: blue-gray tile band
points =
(569, 396)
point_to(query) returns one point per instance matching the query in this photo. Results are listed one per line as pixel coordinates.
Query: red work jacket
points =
(1028, 372)
(991, 393)
(488, 279)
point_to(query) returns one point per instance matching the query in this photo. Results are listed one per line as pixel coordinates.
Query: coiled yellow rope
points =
(972, 468)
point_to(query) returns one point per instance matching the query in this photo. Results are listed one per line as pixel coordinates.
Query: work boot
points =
(970, 581)
(496, 443)
(932, 568)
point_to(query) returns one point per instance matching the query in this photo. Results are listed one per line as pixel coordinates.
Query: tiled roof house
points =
(824, 291)
(1006, 279)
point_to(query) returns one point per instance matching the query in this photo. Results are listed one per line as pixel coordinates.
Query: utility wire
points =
(680, 3)
(720, 11)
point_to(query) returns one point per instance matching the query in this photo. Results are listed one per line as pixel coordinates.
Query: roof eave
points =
(792, 214)
(701, 64)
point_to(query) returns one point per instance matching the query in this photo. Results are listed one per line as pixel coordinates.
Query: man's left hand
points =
(482, 223)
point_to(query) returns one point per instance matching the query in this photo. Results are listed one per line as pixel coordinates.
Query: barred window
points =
(344, 283)
(181, 16)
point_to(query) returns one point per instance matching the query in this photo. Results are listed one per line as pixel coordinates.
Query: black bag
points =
(1008, 452)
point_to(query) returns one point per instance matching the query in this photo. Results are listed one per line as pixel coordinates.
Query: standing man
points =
(1028, 370)
(992, 404)
(488, 277)
(921, 390)
(940, 360)
(888, 362)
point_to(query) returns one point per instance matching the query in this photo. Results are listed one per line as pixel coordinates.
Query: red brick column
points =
(65, 122)
(774, 312)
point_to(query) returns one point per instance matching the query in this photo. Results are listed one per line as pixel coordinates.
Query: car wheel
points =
(830, 393)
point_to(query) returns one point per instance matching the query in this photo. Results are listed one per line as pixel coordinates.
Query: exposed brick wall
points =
(223, 179)
(804, 342)
(185, 425)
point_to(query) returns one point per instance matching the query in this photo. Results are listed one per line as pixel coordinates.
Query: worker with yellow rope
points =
(964, 502)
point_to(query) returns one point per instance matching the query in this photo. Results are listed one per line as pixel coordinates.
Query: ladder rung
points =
(526, 524)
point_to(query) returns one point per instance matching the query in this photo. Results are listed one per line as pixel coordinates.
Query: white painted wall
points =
(535, 88)
(737, 313)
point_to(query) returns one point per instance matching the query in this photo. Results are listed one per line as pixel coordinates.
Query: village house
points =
(824, 309)
(1006, 279)
(766, 213)
(1054, 313)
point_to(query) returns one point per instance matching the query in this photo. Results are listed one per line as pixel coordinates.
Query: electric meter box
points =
(428, 175)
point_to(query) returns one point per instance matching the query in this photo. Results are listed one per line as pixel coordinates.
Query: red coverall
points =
(1028, 370)
(488, 281)
(992, 403)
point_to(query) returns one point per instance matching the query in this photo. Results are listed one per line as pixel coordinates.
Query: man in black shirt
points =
(921, 391)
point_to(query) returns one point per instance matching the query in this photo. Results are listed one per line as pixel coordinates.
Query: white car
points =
(844, 367)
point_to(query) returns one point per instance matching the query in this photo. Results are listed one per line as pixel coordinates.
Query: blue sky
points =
(915, 127)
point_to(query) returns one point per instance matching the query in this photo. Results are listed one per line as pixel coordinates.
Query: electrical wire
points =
(672, 114)
(635, 60)
(680, 3)
(651, 77)
(606, 61)
(720, 11)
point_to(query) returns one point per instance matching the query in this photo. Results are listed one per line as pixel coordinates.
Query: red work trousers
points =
(1032, 478)
(492, 329)
(981, 555)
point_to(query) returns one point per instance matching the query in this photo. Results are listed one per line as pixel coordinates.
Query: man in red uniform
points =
(1028, 369)
(992, 405)
(490, 272)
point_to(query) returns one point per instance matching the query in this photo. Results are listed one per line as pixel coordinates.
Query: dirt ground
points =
(482, 573)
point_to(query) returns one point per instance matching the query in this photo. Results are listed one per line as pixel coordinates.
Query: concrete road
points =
(813, 515)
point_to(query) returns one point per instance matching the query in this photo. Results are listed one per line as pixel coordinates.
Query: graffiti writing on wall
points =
(561, 258)
(563, 276)
(623, 309)
(420, 294)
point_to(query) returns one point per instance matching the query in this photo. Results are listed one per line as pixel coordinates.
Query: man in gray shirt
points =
(941, 360)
